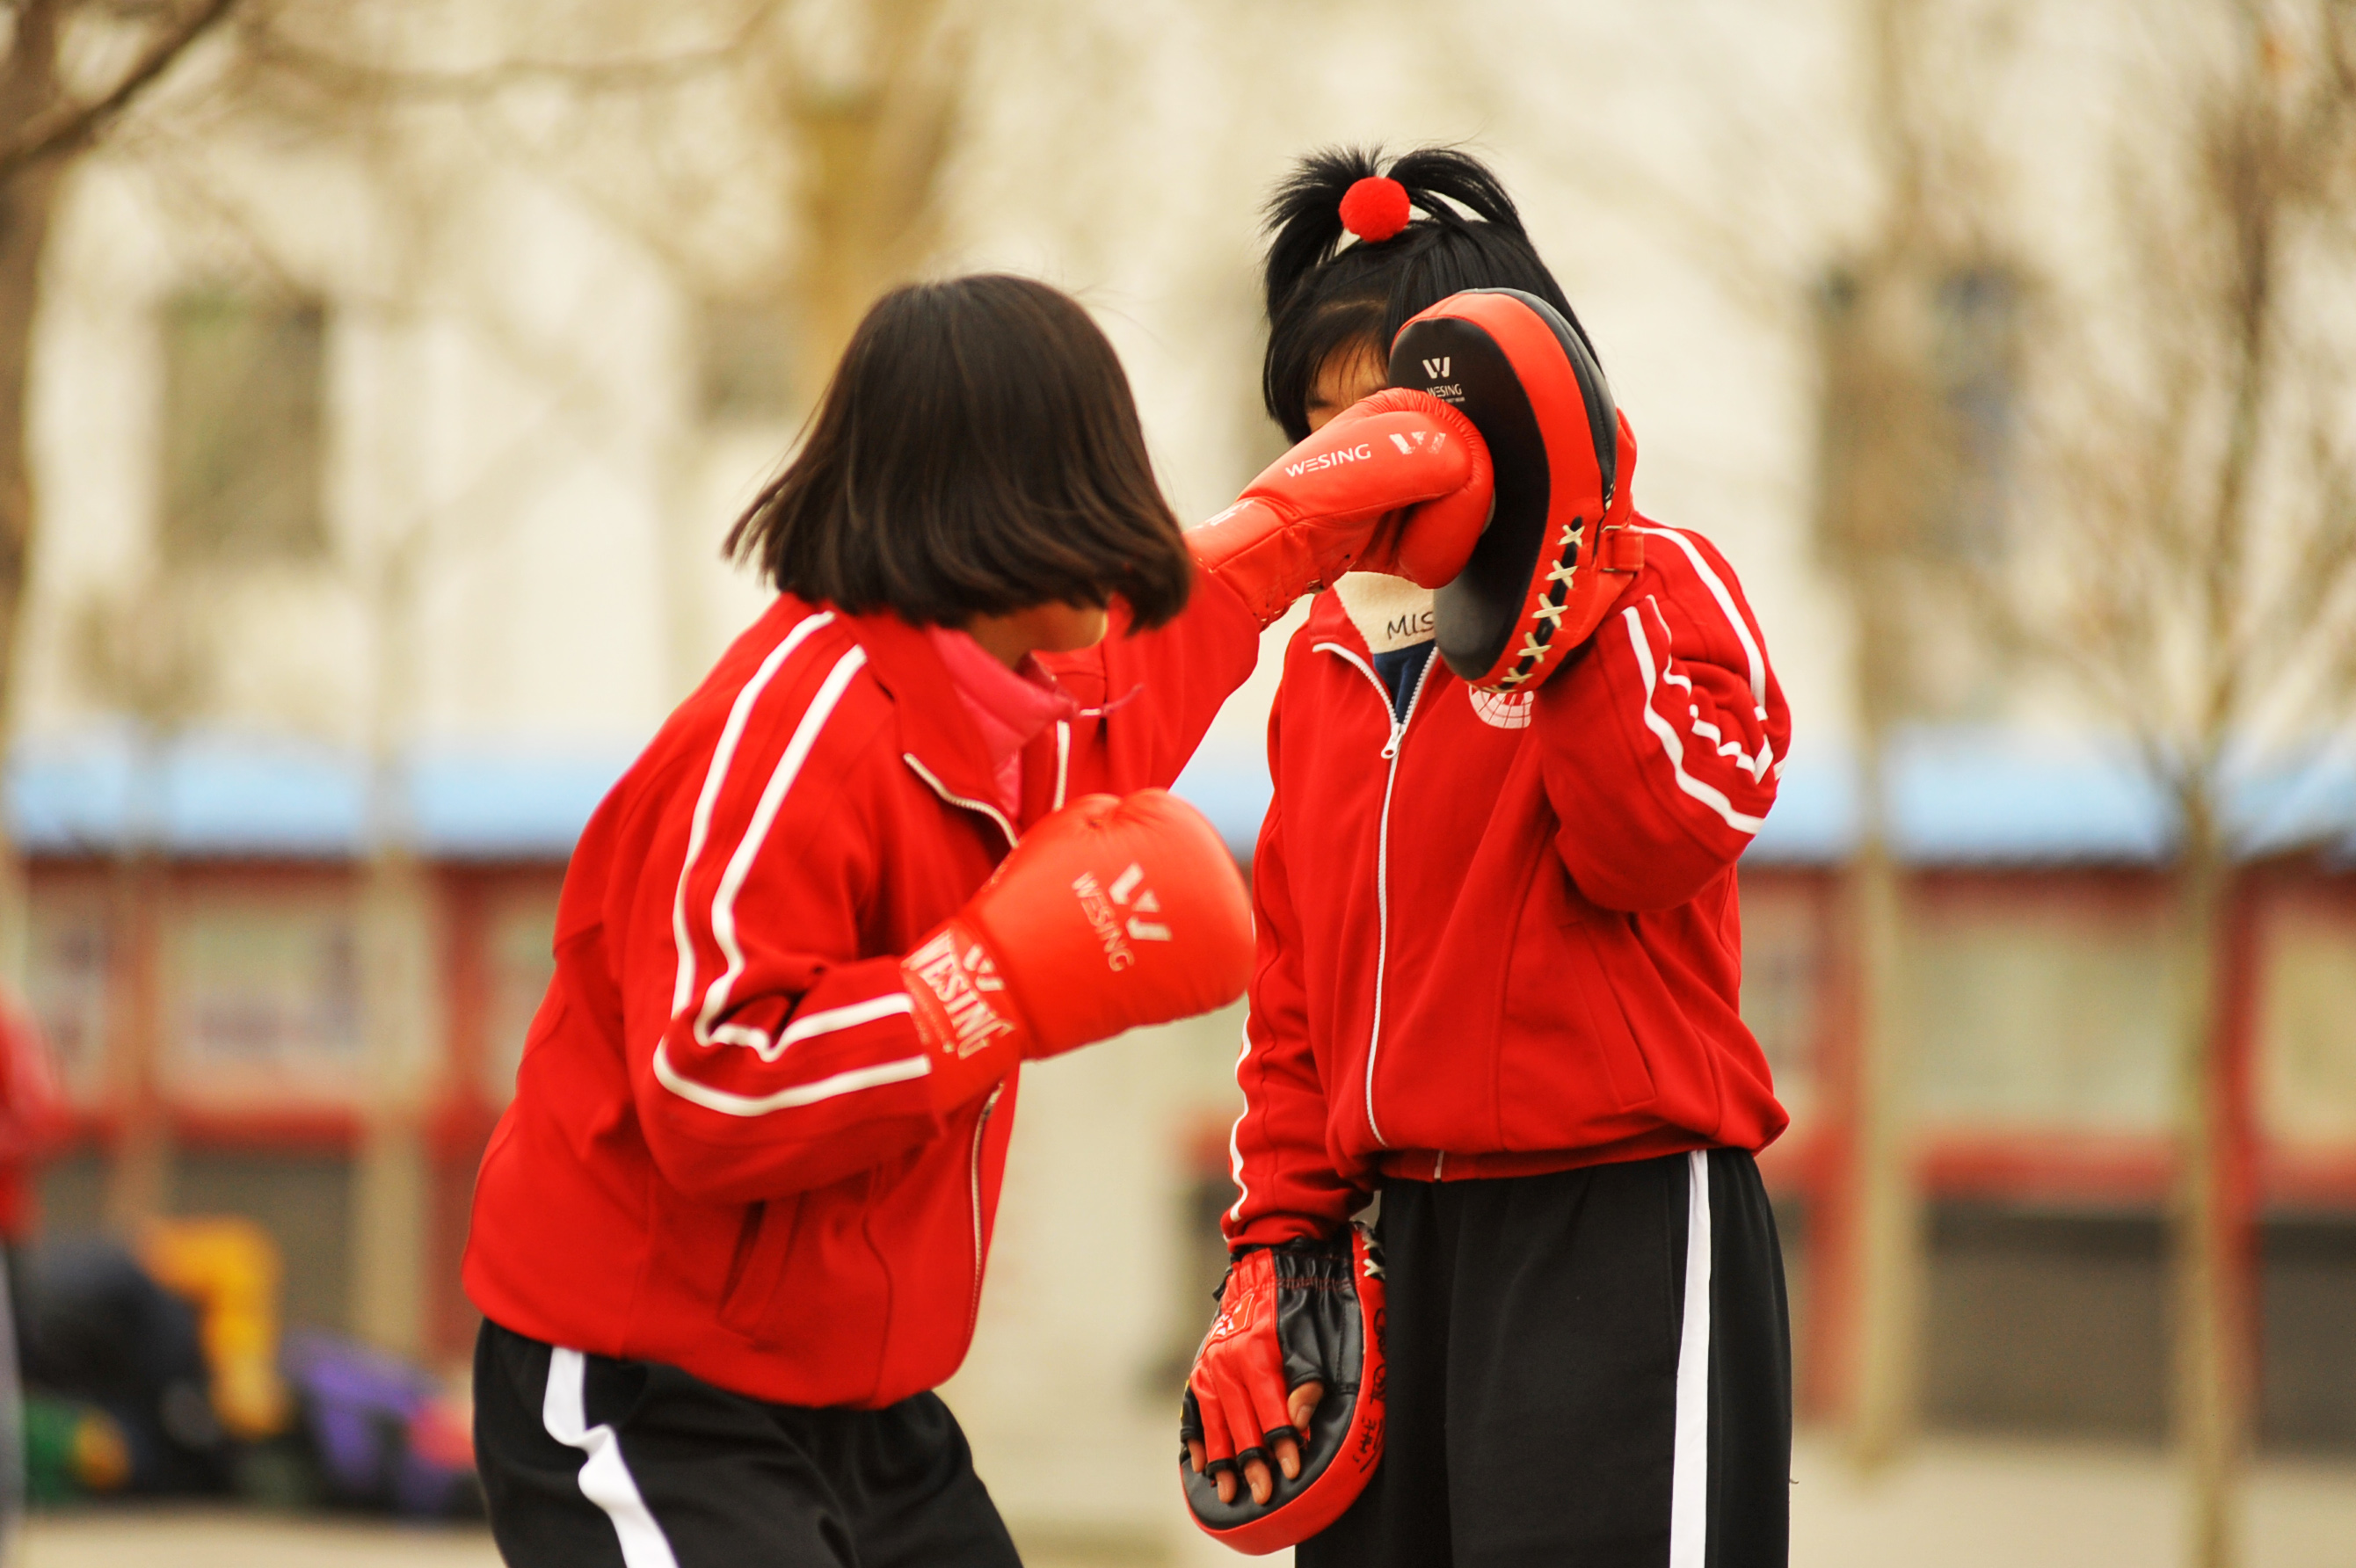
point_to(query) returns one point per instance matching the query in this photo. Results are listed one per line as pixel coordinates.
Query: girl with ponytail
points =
(1325, 296)
(1498, 988)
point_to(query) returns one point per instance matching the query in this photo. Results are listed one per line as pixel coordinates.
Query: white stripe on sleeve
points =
(1672, 744)
(784, 1099)
(1234, 1132)
(714, 777)
(833, 1020)
(757, 833)
(605, 1478)
(1718, 591)
(724, 910)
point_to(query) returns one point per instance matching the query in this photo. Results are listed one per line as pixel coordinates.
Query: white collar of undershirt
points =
(1390, 612)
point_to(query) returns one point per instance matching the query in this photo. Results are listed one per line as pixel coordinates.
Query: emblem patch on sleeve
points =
(1502, 709)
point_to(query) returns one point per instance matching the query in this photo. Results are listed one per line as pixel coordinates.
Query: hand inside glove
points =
(1286, 1394)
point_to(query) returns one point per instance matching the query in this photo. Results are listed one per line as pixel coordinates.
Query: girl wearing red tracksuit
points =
(732, 1229)
(1497, 984)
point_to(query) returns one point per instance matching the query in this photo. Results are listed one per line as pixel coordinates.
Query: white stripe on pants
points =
(1689, 1470)
(605, 1478)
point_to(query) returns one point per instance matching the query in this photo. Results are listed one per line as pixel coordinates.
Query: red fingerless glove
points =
(1237, 1389)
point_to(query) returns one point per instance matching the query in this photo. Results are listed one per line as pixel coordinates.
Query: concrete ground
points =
(217, 1538)
(2007, 1504)
(1959, 1504)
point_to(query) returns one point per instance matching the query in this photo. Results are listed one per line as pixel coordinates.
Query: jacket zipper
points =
(1390, 755)
(982, 1123)
(973, 1307)
(943, 791)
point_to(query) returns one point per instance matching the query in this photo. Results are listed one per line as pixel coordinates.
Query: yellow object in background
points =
(229, 1268)
(101, 1457)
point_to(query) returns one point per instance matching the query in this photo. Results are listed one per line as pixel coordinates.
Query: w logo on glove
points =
(1110, 915)
(1106, 907)
(1125, 892)
(957, 974)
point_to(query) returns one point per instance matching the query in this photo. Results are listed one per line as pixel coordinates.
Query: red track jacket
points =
(1503, 938)
(722, 1153)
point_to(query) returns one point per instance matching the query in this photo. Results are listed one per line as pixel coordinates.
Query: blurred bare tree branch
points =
(2196, 560)
(51, 121)
(273, 46)
(2196, 408)
(779, 155)
(45, 127)
(2171, 523)
(1899, 501)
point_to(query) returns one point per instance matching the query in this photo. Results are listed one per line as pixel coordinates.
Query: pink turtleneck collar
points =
(1008, 706)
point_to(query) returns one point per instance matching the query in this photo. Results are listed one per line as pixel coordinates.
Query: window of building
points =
(745, 352)
(1784, 980)
(1916, 470)
(69, 980)
(2041, 1012)
(1975, 367)
(264, 997)
(244, 443)
(2307, 1028)
(522, 938)
(1920, 403)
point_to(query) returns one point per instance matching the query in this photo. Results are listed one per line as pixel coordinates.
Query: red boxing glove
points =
(1327, 506)
(1109, 914)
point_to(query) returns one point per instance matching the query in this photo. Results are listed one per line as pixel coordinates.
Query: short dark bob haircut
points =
(1323, 296)
(977, 453)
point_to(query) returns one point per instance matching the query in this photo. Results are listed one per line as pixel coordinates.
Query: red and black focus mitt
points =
(1559, 546)
(1302, 1313)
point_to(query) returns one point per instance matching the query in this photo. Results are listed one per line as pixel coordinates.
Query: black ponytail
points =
(1323, 295)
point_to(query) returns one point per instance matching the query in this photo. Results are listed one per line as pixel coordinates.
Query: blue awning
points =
(227, 795)
(1962, 796)
(1958, 798)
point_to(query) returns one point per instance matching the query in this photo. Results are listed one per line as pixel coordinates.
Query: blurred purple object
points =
(360, 1407)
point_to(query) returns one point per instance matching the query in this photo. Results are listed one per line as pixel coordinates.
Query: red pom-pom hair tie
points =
(1375, 208)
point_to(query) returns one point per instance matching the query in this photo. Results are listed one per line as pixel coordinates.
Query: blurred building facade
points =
(382, 494)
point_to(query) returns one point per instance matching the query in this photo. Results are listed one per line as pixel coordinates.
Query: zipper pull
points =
(1390, 747)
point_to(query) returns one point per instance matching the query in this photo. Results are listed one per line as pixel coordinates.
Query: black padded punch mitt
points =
(1324, 1305)
(1560, 548)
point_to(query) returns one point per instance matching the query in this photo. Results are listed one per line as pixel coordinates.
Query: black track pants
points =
(1587, 1369)
(594, 1463)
